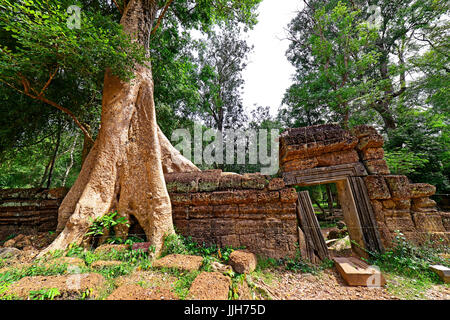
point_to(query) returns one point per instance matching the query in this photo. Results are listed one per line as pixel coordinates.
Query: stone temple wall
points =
(260, 213)
(27, 211)
(235, 210)
(397, 204)
(212, 207)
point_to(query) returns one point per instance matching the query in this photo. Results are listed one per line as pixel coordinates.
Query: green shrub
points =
(406, 259)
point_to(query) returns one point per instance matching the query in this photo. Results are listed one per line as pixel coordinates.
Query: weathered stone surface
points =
(268, 196)
(371, 141)
(178, 261)
(9, 252)
(300, 164)
(377, 187)
(363, 131)
(428, 223)
(420, 190)
(243, 261)
(377, 207)
(400, 223)
(209, 181)
(70, 286)
(210, 286)
(399, 187)
(422, 203)
(404, 204)
(377, 167)
(276, 184)
(337, 158)
(288, 195)
(372, 154)
(180, 199)
(254, 181)
(230, 182)
(388, 204)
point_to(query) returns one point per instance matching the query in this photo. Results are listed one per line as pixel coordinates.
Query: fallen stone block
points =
(210, 286)
(358, 273)
(70, 286)
(136, 292)
(179, 261)
(442, 271)
(243, 261)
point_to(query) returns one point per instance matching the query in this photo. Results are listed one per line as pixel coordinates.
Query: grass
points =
(407, 267)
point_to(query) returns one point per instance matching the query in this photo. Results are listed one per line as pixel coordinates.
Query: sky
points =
(268, 73)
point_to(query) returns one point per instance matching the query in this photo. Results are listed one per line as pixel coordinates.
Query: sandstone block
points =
(230, 182)
(299, 164)
(377, 187)
(288, 195)
(254, 181)
(268, 196)
(420, 190)
(399, 187)
(337, 158)
(200, 198)
(363, 131)
(428, 223)
(402, 224)
(243, 261)
(370, 141)
(424, 202)
(229, 211)
(180, 199)
(210, 286)
(372, 154)
(377, 167)
(276, 184)
(221, 197)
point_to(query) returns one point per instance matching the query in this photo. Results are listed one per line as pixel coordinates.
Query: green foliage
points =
(105, 223)
(403, 162)
(177, 244)
(44, 294)
(406, 259)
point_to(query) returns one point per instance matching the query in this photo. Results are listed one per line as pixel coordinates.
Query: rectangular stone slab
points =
(356, 272)
(443, 272)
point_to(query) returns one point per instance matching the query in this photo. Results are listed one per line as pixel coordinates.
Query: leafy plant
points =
(404, 162)
(106, 222)
(44, 294)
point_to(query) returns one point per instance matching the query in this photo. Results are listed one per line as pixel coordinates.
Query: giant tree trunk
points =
(124, 169)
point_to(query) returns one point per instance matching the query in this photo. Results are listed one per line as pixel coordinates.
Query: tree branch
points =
(49, 102)
(161, 16)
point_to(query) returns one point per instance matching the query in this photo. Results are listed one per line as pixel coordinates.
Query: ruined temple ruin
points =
(266, 215)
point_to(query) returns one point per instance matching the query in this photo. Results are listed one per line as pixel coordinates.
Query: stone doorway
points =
(354, 200)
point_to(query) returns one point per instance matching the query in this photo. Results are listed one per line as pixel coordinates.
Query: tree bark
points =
(124, 169)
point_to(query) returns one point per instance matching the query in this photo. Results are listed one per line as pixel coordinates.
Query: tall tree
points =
(124, 169)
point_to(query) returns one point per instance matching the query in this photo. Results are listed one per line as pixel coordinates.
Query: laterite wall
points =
(235, 210)
(27, 211)
(397, 203)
